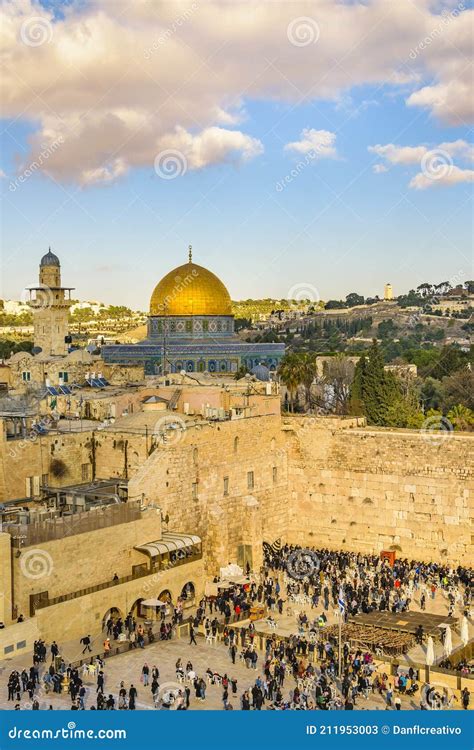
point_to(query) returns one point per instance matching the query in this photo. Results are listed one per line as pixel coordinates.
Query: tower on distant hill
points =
(387, 291)
(50, 303)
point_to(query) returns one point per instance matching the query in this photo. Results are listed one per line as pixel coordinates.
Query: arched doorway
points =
(114, 614)
(166, 597)
(188, 592)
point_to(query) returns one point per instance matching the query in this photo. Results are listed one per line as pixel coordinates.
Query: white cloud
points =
(452, 175)
(317, 142)
(114, 78)
(436, 162)
(211, 146)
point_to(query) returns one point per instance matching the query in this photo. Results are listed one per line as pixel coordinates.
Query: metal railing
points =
(39, 601)
(60, 526)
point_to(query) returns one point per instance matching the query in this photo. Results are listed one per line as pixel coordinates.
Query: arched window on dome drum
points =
(223, 366)
(178, 366)
(201, 366)
(212, 365)
(189, 366)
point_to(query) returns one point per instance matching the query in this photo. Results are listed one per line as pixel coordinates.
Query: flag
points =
(341, 602)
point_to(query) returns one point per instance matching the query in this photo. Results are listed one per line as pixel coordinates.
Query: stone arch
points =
(113, 612)
(165, 596)
(136, 610)
(188, 592)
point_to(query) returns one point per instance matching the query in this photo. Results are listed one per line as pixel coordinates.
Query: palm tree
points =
(289, 372)
(461, 417)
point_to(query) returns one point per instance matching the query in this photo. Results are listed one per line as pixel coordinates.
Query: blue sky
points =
(336, 225)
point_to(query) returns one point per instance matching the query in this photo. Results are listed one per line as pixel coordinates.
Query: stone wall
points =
(374, 489)
(62, 566)
(203, 483)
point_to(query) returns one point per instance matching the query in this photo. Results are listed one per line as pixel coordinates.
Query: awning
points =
(153, 603)
(169, 542)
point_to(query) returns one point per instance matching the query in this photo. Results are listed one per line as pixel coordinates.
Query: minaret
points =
(388, 292)
(50, 306)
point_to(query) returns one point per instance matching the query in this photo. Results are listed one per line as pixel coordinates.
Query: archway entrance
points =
(113, 614)
(188, 592)
(165, 597)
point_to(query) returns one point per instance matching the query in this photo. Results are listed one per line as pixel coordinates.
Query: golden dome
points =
(190, 290)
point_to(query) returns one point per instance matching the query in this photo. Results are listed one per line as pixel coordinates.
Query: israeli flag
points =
(341, 602)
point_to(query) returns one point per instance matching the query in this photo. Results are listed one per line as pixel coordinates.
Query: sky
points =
(304, 149)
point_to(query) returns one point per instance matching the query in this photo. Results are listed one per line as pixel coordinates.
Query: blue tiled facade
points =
(195, 344)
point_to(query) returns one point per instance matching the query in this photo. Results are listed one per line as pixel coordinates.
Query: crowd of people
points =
(298, 672)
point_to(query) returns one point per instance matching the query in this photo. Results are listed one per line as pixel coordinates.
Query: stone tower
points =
(388, 292)
(50, 304)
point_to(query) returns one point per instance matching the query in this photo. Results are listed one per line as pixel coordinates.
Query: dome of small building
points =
(261, 372)
(50, 259)
(190, 290)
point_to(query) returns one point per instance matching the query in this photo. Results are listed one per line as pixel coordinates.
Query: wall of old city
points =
(203, 482)
(373, 489)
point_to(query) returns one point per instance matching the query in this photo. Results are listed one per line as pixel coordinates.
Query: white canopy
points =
(153, 603)
(430, 652)
(448, 641)
(464, 631)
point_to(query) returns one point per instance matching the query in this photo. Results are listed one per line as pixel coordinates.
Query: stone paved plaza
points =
(164, 654)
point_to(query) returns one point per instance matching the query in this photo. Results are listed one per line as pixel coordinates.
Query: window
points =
(195, 456)
(194, 490)
(64, 376)
(26, 375)
(226, 485)
(275, 474)
(29, 487)
(236, 444)
(189, 325)
(250, 480)
(44, 479)
(205, 325)
(86, 473)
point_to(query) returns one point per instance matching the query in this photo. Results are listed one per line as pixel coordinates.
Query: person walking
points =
(192, 637)
(86, 641)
